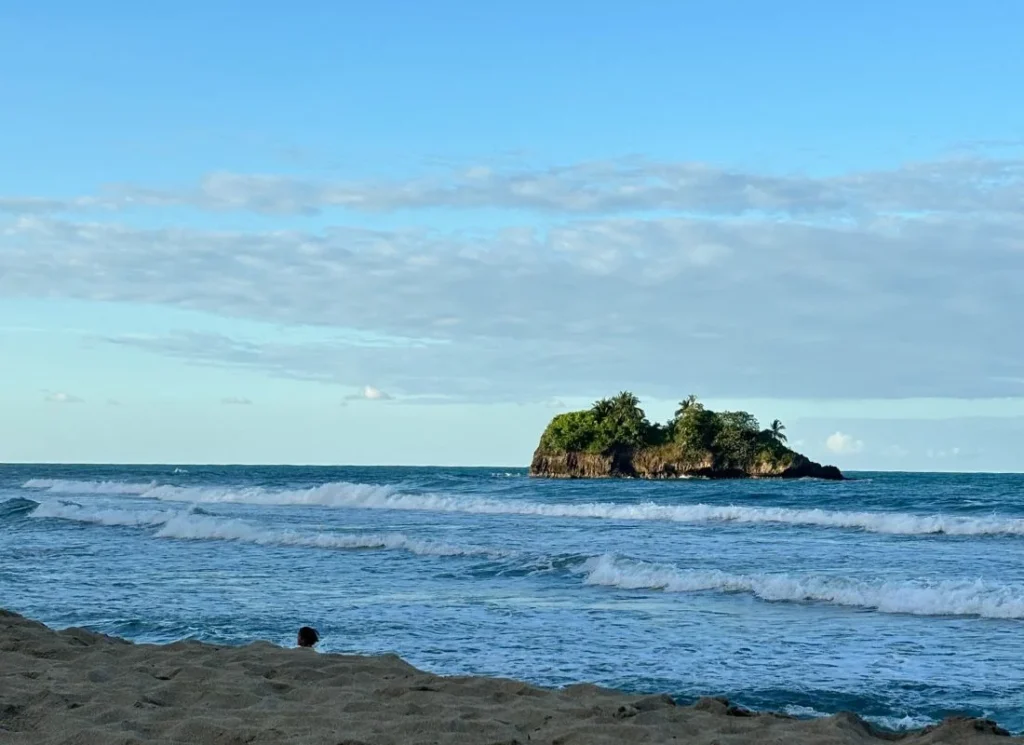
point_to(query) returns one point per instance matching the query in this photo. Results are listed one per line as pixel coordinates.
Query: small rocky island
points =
(615, 439)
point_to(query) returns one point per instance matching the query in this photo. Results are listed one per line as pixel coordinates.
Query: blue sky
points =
(412, 232)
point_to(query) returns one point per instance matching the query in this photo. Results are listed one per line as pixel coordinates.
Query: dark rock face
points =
(653, 464)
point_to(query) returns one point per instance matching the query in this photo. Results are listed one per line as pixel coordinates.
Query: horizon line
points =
(141, 464)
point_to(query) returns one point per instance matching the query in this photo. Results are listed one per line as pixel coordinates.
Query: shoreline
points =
(76, 686)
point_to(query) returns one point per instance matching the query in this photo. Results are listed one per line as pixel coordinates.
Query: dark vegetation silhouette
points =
(730, 440)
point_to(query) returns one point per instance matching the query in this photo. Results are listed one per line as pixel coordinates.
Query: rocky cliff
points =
(614, 438)
(662, 463)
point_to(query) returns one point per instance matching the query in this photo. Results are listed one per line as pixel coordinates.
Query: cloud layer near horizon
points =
(884, 284)
(964, 184)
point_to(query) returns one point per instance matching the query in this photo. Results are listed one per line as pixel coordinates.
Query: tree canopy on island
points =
(730, 439)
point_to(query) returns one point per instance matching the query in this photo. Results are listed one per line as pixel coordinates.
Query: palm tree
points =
(777, 430)
(630, 422)
(626, 402)
(686, 404)
(602, 408)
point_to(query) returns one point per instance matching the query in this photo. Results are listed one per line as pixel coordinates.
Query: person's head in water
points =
(308, 637)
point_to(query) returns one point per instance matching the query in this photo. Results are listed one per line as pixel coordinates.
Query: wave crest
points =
(959, 597)
(16, 506)
(332, 494)
(192, 527)
(102, 516)
(366, 496)
(70, 486)
(342, 494)
(922, 598)
(198, 525)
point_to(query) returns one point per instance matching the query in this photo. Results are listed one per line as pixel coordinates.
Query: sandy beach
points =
(77, 687)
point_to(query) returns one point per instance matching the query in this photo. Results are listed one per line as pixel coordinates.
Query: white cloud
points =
(753, 288)
(936, 301)
(60, 397)
(902, 439)
(236, 401)
(843, 444)
(963, 184)
(39, 205)
(369, 393)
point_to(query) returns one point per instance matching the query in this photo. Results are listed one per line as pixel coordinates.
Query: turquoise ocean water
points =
(897, 596)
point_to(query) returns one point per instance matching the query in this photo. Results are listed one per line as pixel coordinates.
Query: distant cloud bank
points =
(600, 275)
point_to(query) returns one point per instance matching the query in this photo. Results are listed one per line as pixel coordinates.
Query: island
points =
(614, 439)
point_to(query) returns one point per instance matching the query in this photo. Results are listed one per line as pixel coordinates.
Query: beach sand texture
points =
(77, 687)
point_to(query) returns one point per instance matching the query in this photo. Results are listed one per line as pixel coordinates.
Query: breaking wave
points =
(16, 506)
(953, 597)
(189, 527)
(335, 494)
(935, 598)
(67, 486)
(388, 497)
(102, 515)
(197, 525)
(343, 494)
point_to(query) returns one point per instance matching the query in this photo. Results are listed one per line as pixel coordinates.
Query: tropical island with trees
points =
(614, 438)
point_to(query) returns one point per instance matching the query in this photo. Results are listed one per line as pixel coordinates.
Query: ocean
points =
(897, 596)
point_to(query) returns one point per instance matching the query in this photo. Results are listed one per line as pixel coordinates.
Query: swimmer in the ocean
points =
(308, 637)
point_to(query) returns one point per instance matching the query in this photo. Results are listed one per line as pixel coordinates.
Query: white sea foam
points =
(388, 497)
(796, 710)
(68, 486)
(935, 598)
(334, 494)
(102, 515)
(197, 527)
(189, 525)
(342, 494)
(901, 724)
(895, 723)
(960, 597)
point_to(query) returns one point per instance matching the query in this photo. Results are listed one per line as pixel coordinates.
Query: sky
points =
(411, 233)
